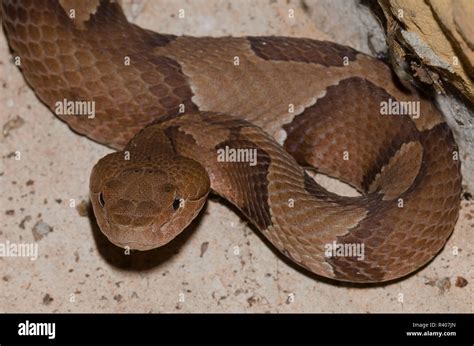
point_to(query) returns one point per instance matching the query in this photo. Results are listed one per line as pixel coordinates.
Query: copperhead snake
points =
(295, 103)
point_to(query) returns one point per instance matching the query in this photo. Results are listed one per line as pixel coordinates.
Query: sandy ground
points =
(78, 270)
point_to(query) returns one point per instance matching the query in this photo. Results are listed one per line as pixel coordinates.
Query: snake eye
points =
(101, 200)
(176, 203)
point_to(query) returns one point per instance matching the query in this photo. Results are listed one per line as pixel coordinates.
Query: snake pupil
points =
(176, 203)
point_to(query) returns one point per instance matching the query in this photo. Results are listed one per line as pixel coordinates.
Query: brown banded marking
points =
(269, 90)
(301, 50)
(251, 182)
(389, 182)
(321, 135)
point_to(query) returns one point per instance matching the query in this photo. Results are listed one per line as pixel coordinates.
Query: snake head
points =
(144, 205)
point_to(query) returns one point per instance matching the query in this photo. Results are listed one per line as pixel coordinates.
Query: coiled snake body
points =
(171, 105)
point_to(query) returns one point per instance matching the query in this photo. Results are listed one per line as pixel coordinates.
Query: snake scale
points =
(169, 104)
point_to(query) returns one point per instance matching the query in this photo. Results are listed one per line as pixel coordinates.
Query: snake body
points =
(169, 104)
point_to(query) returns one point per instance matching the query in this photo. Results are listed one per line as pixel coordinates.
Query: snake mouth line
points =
(138, 245)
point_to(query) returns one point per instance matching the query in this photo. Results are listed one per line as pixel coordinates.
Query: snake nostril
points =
(101, 200)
